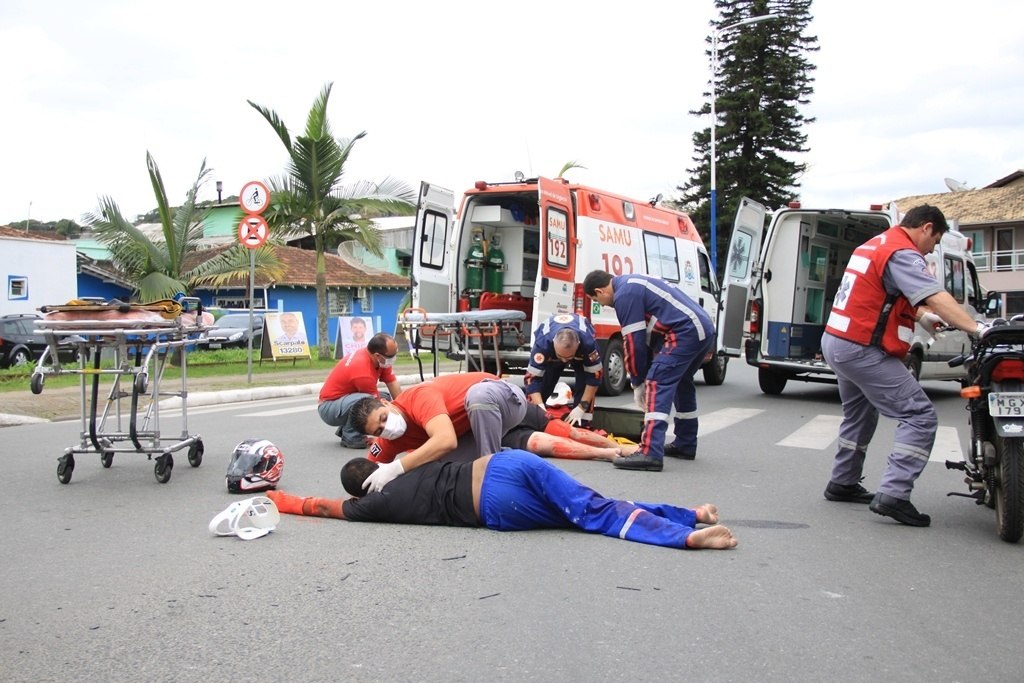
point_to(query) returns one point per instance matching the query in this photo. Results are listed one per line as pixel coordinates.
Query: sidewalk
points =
(71, 397)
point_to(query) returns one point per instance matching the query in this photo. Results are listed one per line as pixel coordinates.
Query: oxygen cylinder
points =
(494, 274)
(475, 264)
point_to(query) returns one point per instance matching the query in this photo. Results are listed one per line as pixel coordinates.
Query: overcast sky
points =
(907, 93)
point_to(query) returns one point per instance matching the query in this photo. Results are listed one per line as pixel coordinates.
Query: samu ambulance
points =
(527, 245)
(781, 277)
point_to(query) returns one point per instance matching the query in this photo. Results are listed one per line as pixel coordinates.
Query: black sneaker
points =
(848, 493)
(903, 511)
(674, 451)
(638, 461)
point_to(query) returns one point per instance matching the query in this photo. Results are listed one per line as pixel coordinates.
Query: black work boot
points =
(903, 511)
(674, 451)
(638, 461)
(848, 493)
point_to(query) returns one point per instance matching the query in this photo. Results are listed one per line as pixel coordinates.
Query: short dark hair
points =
(379, 343)
(925, 213)
(354, 473)
(361, 412)
(595, 280)
(356, 320)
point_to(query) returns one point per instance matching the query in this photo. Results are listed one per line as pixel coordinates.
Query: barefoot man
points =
(510, 491)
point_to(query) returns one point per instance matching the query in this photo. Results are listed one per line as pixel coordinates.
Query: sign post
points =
(253, 232)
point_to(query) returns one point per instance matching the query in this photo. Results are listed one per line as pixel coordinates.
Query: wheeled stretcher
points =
(141, 339)
(466, 330)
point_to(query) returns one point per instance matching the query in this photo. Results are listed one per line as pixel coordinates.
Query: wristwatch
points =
(585, 405)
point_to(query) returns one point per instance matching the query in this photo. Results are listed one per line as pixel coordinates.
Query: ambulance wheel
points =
(714, 370)
(36, 383)
(107, 458)
(195, 453)
(771, 381)
(65, 466)
(613, 379)
(163, 467)
(913, 363)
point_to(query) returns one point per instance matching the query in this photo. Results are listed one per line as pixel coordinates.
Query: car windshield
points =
(238, 320)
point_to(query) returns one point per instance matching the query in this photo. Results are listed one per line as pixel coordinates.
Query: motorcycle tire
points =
(1009, 494)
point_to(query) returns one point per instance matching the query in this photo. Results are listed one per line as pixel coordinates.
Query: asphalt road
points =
(115, 576)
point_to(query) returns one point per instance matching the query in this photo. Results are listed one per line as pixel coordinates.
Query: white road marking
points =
(947, 445)
(726, 417)
(818, 434)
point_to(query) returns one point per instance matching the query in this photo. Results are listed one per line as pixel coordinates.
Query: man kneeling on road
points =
(426, 421)
(509, 491)
(355, 377)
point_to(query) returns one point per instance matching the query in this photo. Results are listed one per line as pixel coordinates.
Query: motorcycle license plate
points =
(1006, 404)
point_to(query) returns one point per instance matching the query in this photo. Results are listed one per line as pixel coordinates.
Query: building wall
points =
(43, 269)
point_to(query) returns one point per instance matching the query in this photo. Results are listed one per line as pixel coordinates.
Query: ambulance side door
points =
(744, 248)
(558, 248)
(433, 268)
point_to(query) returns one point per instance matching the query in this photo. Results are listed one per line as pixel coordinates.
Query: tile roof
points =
(300, 270)
(1000, 202)
(8, 231)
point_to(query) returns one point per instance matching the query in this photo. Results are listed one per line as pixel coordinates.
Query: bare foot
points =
(707, 513)
(713, 537)
(628, 448)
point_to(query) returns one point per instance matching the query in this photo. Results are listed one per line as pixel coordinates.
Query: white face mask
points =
(388, 362)
(394, 427)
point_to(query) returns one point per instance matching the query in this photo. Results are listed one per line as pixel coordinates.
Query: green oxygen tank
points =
(475, 266)
(494, 274)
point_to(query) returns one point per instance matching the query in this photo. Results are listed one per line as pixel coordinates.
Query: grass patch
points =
(205, 364)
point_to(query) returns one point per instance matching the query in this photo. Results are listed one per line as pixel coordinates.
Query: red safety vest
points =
(863, 312)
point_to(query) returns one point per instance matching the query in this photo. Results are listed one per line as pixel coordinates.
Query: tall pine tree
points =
(763, 78)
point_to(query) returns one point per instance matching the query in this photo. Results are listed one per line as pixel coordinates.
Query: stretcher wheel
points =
(65, 466)
(163, 467)
(107, 458)
(141, 383)
(195, 453)
(36, 383)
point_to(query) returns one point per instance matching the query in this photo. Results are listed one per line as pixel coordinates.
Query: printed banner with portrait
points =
(285, 336)
(354, 333)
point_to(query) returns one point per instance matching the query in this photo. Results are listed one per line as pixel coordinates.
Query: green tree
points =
(310, 199)
(160, 268)
(763, 79)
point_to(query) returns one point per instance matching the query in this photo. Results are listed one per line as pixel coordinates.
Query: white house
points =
(36, 270)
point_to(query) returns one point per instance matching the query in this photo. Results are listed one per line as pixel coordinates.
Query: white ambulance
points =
(535, 241)
(780, 280)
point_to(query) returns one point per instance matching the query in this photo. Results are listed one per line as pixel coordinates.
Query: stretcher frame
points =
(464, 328)
(141, 351)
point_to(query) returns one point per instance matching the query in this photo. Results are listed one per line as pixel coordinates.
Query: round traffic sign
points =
(254, 197)
(253, 231)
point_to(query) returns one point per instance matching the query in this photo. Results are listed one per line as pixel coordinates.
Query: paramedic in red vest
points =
(867, 335)
(565, 340)
(355, 377)
(661, 361)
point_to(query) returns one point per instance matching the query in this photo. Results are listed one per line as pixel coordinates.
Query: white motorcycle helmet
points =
(256, 465)
(561, 396)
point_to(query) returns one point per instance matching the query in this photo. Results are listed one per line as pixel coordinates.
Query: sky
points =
(907, 93)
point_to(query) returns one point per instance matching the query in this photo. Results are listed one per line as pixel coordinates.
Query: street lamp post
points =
(714, 78)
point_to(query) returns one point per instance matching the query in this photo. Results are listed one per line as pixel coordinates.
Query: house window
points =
(662, 260)
(237, 302)
(17, 287)
(339, 302)
(366, 303)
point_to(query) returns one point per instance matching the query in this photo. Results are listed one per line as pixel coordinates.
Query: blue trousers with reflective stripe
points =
(523, 491)
(670, 379)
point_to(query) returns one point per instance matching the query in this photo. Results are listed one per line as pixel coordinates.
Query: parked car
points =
(232, 330)
(21, 344)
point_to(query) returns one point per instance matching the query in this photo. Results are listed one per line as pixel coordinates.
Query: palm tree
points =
(310, 199)
(158, 268)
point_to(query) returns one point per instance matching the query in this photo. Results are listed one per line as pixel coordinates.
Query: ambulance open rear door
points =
(744, 249)
(433, 260)
(558, 248)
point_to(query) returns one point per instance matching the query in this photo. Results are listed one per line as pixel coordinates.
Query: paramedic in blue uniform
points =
(661, 361)
(565, 340)
(866, 338)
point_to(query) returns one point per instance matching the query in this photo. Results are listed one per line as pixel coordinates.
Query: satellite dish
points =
(956, 185)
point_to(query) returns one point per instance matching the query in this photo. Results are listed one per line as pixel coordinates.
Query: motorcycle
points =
(994, 389)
